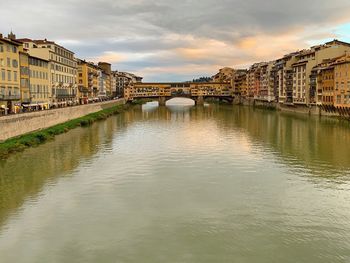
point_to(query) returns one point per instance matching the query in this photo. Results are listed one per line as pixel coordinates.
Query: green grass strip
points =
(20, 143)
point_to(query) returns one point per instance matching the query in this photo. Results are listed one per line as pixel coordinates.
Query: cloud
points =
(189, 37)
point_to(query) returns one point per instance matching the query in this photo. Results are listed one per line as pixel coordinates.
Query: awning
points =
(30, 105)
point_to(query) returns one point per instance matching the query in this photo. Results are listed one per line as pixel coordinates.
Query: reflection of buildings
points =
(299, 140)
(27, 178)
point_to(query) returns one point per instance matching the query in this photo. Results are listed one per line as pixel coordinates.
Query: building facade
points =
(342, 82)
(10, 80)
(24, 77)
(123, 80)
(39, 83)
(304, 85)
(88, 81)
(62, 66)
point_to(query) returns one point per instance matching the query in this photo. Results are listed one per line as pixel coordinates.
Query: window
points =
(3, 75)
(1, 48)
(8, 62)
(15, 75)
(15, 63)
(9, 75)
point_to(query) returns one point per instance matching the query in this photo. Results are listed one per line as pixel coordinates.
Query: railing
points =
(61, 96)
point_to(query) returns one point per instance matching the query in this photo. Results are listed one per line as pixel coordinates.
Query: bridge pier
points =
(199, 101)
(162, 101)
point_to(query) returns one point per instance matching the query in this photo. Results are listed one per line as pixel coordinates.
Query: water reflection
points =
(182, 184)
(317, 145)
(25, 174)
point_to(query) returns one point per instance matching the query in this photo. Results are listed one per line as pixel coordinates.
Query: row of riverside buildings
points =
(40, 74)
(318, 76)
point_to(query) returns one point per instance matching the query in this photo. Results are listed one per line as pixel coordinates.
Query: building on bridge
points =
(193, 90)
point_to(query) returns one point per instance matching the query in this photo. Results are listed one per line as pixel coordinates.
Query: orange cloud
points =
(110, 57)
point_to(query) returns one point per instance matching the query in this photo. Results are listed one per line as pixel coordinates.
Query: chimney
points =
(1, 35)
(11, 36)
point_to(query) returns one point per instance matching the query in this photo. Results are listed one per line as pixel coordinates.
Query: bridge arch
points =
(183, 101)
(199, 100)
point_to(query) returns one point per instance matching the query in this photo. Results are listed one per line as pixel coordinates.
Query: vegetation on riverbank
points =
(140, 101)
(217, 101)
(266, 107)
(22, 142)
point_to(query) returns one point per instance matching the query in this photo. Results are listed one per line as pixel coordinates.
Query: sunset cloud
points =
(178, 41)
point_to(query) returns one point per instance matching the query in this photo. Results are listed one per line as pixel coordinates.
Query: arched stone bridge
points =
(193, 90)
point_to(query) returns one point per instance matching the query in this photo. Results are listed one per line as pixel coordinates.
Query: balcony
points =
(10, 97)
(64, 96)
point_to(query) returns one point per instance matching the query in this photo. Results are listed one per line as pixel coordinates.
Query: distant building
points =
(178, 89)
(283, 74)
(123, 80)
(107, 77)
(240, 83)
(88, 82)
(224, 75)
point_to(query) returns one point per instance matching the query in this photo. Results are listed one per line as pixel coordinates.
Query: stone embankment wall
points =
(303, 109)
(310, 110)
(15, 125)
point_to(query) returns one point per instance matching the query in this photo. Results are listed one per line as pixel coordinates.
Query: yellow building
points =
(10, 94)
(88, 81)
(325, 80)
(342, 82)
(39, 83)
(306, 60)
(24, 75)
(224, 75)
(62, 66)
(240, 83)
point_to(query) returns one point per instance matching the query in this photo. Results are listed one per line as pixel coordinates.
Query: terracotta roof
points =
(11, 41)
(22, 40)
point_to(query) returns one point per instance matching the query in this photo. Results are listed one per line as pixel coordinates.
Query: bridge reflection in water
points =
(319, 147)
(182, 179)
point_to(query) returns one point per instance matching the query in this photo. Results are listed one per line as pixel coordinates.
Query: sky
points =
(178, 40)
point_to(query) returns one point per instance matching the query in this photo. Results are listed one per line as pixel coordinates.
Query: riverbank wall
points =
(317, 110)
(16, 125)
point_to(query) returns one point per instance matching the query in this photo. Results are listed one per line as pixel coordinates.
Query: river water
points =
(182, 184)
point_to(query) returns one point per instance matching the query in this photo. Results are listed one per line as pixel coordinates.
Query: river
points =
(179, 183)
